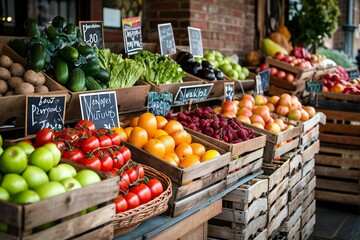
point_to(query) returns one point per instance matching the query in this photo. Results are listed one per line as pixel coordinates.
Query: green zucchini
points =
(51, 32)
(102, 75)
(37, 57)
(76, 81)
(92, 84)
(69, 53)
(32, 28)
(61, 71)
(91, 68)
(59, 22)
(70, 29)
(85, 50)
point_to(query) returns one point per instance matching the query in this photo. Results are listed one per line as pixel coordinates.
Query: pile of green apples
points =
(225, 64)
(29, 174)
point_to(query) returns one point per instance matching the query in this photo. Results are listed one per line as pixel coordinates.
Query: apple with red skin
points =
(273, 71)
(288, 59)
(335, 78)
(263, 67)
(290, 77)
(302, 65)
(281, 74)
(279, 55)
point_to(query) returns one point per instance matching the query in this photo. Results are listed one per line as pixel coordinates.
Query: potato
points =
(14, 81)
(9, 93)
(24, 88)
(17, 70)
(41, 89)
(5, 61)
(3, 87)
(34, 78)
(4, 73)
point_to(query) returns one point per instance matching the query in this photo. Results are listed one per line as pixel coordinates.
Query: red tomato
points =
(121, 204)
(143, 192)
(60, 145)
(132, 200)
(115, 138)
(155, 187)
(105, 141)
(118, 159)
(114, 171)
(67, 130)
(92, 161)
(89, 144)
(126, 153)
(124, 183)
(106, 163)
(43, 136)
(101, 132)
(133, 175)
(85, 124)
(75, 155)
(140, 171)
(83, 133)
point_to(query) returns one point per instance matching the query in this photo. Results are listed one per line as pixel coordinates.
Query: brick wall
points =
(226, 25)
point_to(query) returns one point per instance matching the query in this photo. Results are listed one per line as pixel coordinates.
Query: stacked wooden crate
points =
(244, 215)
(338, 162)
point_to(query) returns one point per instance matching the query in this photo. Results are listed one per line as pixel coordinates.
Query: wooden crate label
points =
(249, 191)
(278, 190)
(308, 199)
(310, 152)
(274, 225)
(307, 230)
(294, 233)
(291, 220)
(251, 168)
(275, 208)
(275, 172)
(296, 202)
(309, 211)
(308, 167)
(294, 179)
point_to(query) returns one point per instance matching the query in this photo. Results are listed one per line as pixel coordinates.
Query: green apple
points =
(1, 150)
(232, 74)
(241, 76)
(236, 66)
(215, 64)
(27, 147)
(35, 176)
(4, 194)
(43, 158)
(210, 56)
(218, 54)
(44, 226)
(70, 168)
(27, 196)
(228, 59)
(198, 59)
(70, 184)
(87, 177)
(1, 141)
(55, 151)
(245, 71)
(13, 160)
(50, 189)
(14, 183)
(92, 209)
(58, 173)
(225, 68)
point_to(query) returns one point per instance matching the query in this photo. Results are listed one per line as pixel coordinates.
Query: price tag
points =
(197, 93)
(44, 112)
(100, 108)
(314, 86)
(265, 78)
(132, 35)
(353, 73)
(92, 33)
(195, 42)
(159, 103)
(259, 89)
(229, 91)
(167, 41)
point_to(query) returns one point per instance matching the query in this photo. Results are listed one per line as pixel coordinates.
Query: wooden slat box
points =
(65, 209)
(294, 233)
(248, 192)
(275, 224)
(291, 220)
(13, 107)
(337, 170)
(299, 92)
(308, 229)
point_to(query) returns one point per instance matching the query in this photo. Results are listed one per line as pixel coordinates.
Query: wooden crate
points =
(307, 230)
(291, 220)
(308, 213)
(310, 151)
(228, 230)
(66, 210)
(248, 192)
(275, 172)
(337, 170)
(275, 224)
(295, 231)
(299, 92)
(337, 102)
(13, 107)
(277, 205)
(294, 204)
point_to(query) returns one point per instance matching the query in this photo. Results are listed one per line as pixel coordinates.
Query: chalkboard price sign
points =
(167, 41)
(132, 35)
(159, 103)
(314, 86)
(265, 78)
(44, 112)
(92, 33)
(195, 93)
(353, 73)
(229, 91)
(195, 42)
(100, 108)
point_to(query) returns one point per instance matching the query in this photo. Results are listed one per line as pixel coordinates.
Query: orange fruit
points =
(128, 131)
(155, 147)
(134, 122)
(171, 158)
(148, 122)
(138, 137)
(120, 131)
(189, 161)
(172, 126)
(161, 121)
(189, 138)
(183, 150)
(209, 154)
(159, 132)
(180, 136)
(198, 149)
(168, 142)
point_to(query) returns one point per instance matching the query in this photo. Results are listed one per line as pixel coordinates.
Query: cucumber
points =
(85, 50)
(51, 32)
(32, 28)
(19, 46)
(102, 75)
(70, 29)
(92, 84)
(103, 85)
(37, 57)
(59, 22)
(91, 68)
(76, 81)
(61, 71)
(69, 53)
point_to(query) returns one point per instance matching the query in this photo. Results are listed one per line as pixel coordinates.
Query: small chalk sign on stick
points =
(166, 37)
(92, 33)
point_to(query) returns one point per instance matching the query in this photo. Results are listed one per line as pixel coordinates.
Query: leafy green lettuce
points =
(125, 73)
(107, 59)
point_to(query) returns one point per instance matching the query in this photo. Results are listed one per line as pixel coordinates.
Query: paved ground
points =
(335, 221)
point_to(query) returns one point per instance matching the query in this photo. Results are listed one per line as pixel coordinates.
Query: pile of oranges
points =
(165, 139)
